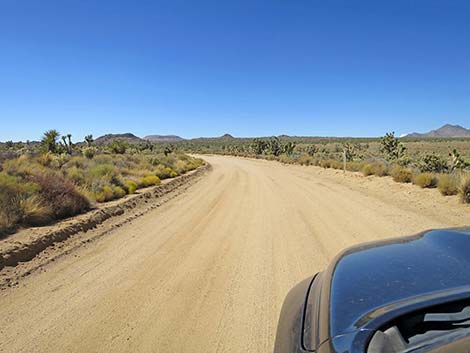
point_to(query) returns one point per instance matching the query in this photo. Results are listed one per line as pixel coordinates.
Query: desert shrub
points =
(162, 172)
(20, 167)
(36, 189)
(149, 180)
(375, 168)
(106, 171)
(130, 186)
(35, 211)
(401, 174)
(448, 184)
(118, 192)
(367, 169)
(89, 152)
(180, 167)
(76, 175)
(464, 189)
(336, 164)
(425, 180)
(10, 197)
(305, 159)
(61, 195)
(284, 158)
(105, 194)
(354, 166)
(325, 163)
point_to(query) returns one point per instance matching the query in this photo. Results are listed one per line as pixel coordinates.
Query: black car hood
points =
(375, 275)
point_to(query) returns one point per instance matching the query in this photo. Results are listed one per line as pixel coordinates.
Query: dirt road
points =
(208, 271)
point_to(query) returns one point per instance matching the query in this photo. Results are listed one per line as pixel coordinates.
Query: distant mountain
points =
(163, 138)
(446, 131)
(227, 137)
(127, 137)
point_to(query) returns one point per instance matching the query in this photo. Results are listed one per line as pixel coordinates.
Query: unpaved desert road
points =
(208, 271)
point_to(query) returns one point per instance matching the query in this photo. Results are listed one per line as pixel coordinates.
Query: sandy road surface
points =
(208, 271)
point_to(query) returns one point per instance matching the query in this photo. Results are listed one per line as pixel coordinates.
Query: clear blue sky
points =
(246, 67)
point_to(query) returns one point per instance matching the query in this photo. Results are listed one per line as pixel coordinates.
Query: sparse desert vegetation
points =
(56, 179)
(427, 163)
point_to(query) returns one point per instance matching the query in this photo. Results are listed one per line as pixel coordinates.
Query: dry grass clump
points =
(305, 159)
(375, 168)
(355, 166)
(325, 163)
(464, 189)
(284, 158)
(448, 184)
(61, 195)
(336, 164)
(425, 180)
(401, 174)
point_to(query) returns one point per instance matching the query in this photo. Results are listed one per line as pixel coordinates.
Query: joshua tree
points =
(167, 150)
(275, 146)
(49, 141)
(89, 140)
(259, 146)
(67, 143)
(457, 161)
(289, 148)
(312, 150)
(391, 147)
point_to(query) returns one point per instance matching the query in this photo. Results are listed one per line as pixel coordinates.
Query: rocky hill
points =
(163, 138)
(446, 131)
(127, 137)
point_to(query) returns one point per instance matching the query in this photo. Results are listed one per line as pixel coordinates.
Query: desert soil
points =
(208, 271)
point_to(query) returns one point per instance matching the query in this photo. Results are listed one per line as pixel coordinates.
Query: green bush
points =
(448, 184)
(149, 180)
(401, 174)
(118, 192)
(425, 180)
(131, 186)
(105, 194)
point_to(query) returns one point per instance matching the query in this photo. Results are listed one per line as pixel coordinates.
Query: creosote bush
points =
(448, 184)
